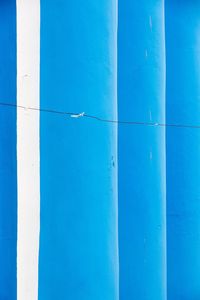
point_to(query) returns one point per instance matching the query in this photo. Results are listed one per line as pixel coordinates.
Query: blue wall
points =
(141, 97)
(183, 148)
(80, 178)
(7, 150)
(78, 244)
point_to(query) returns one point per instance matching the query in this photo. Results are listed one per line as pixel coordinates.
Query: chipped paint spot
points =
(113, 162)
(151, 155)
(150, 115)
(150, 23)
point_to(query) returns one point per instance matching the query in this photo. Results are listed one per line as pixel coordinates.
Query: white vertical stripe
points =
(28, 56)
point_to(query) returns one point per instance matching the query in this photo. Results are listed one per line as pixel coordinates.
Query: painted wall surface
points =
(64, 181)
(183, 148)
(78, 237)
(141, 97)
(28, 150)
(7, 150)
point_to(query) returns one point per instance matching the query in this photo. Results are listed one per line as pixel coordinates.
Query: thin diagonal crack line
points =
(84, 115)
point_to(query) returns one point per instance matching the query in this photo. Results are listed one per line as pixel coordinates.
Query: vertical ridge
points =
(78, 241)
(28, 33)
(142, 162)
(183, 148)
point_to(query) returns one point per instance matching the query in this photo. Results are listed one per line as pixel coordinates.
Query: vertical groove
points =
(8, 171)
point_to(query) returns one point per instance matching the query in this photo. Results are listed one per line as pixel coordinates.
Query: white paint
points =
(28, 57)
(78, 115)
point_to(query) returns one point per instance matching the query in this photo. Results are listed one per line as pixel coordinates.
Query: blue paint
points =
(141, 97)
(8, 205)
(78, 242)
(183, 149)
